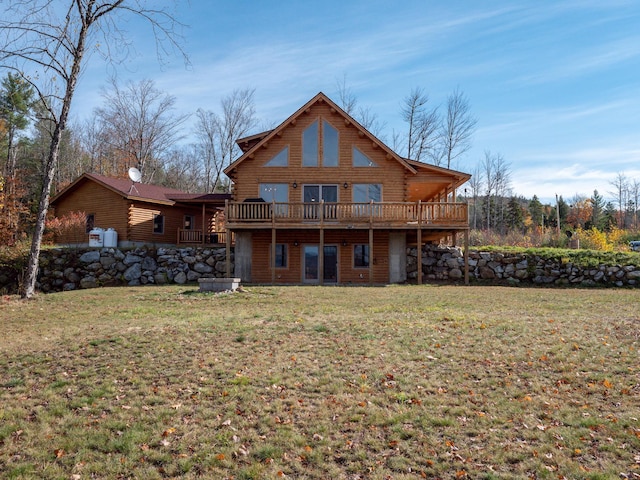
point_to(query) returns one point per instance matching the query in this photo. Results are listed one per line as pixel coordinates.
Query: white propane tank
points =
(96, 237)
(110, 238)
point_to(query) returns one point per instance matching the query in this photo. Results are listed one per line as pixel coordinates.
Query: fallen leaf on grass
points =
(168, 431)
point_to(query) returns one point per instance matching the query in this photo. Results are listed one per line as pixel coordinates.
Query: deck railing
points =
(432, 213)
(194, 237)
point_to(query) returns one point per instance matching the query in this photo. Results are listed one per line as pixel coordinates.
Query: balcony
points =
(431, 215)
(194, 237)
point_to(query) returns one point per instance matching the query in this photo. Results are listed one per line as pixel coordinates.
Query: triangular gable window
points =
(280, 160)
(361, 160)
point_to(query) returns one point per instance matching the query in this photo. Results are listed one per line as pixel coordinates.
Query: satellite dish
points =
(134, 174)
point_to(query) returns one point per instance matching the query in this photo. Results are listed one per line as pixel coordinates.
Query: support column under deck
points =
(371, 256)
(466, 257)
(321, 258)
(273, 255)
(419, 259)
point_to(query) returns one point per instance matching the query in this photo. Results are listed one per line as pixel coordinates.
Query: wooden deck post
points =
(419, 242)
(371, 263)
(203, 220)
(321, 246)
(228, 240)
(273, 242)
(466, 257)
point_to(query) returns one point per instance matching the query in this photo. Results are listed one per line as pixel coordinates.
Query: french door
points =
(315, 193)
(311, 264)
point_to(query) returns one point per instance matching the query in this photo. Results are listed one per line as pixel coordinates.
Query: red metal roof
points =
(139, 190)
(146, 192)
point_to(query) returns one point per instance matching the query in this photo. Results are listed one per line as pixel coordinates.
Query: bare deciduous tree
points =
(46, 42)
(139, 122)
(475, 185)
(634, 192)
(182, 170)
(497, 177)
(621, 185)
(217, 135)
(348, 101)
(422, 138)
(346, 97)
(457, 128)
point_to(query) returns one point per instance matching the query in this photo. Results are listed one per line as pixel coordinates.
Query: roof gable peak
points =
(320, 97)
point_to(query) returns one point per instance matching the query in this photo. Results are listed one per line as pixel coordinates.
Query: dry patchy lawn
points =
(313, 382)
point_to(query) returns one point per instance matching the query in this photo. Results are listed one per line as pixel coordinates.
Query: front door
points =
(311, 264)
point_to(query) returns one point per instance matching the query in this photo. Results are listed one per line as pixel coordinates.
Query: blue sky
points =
(555, 85)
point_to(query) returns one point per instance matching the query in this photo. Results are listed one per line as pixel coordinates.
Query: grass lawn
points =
(321, 383)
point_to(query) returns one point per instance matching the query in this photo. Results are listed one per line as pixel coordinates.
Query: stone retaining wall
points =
(447, 264)
(70, 269)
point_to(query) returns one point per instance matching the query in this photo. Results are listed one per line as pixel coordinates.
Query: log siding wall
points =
(252, 172)
(109, 208)
(132, 221)
(293, 272)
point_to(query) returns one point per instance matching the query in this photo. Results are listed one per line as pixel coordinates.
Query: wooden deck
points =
(195, 237)
(394, 215)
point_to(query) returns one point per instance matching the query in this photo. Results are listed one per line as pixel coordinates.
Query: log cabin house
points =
(321, 200)
(142, 213)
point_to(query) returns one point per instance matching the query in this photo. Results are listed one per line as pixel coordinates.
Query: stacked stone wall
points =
(441, 263)
(70, 269)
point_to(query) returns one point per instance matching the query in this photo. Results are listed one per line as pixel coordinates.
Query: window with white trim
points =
(361, 255)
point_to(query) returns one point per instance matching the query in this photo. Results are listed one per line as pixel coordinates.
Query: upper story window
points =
(367, 192)
(274, 192)
(310, 146)
(361, 160)
(313, 149)
(281, 159)
(329, 145)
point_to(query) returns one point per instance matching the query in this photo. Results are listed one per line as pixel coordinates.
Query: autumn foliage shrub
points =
(590, 239)
(70, 228)
(594, 239)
